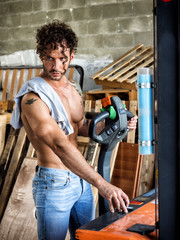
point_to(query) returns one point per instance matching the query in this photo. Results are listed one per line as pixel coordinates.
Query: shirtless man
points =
(61, 184)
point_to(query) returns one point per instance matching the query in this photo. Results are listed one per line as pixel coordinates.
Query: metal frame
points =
(167, 78)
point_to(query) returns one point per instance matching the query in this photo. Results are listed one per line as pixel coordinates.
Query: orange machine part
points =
(106, 101)
(118, 229)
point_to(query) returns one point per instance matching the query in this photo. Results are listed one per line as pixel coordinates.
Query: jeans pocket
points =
(58, 183)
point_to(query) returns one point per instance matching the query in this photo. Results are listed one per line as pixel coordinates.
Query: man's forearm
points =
(74, 160)
(84, 130)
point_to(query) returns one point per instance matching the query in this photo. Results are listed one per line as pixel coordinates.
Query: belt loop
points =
(37, 170)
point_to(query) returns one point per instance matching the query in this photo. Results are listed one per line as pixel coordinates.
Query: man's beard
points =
(51, 77)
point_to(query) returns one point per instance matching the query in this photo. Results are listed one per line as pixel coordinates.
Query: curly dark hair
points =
(53, 34)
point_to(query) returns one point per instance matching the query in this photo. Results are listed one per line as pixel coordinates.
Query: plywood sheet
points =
(126, 169)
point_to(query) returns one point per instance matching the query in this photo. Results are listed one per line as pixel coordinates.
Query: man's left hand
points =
(132, 123)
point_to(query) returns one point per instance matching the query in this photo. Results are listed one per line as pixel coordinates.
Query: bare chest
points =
(72, 103)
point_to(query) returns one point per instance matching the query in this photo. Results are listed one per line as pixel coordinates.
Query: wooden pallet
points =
(13, 78)
(122, 73)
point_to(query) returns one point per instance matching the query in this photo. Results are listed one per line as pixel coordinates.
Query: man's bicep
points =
(34, 110)
(37, 117)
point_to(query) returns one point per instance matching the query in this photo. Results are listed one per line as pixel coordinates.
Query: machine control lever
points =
(115, 116)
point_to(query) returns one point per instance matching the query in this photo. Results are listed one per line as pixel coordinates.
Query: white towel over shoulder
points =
(39, 86)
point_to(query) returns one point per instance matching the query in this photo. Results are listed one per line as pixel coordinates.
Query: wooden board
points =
(7, 116)
(147, 174)
(19, 221)
(124, 94)
(2, 132)
(5, 157)
(126, 169)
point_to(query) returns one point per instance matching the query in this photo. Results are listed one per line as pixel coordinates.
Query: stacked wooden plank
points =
(122, 73)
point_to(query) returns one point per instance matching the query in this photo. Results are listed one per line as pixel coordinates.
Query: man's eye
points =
(50, 58)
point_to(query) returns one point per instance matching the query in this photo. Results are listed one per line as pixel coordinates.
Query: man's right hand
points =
(117, 199)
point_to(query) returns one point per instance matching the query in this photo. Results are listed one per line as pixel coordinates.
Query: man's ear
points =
(72, 56)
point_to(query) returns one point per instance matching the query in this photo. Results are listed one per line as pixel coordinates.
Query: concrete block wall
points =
(104, 27)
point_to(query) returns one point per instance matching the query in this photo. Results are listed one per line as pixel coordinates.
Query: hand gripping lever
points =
(116, 117)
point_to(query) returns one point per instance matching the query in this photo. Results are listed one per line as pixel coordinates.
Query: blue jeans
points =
(62, 200)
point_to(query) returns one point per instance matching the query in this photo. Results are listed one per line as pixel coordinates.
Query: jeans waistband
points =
(54, 171)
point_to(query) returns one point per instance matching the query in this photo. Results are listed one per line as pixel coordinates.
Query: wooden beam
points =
(114, 84)
(20, 82)
(5, 157)
(13, 81)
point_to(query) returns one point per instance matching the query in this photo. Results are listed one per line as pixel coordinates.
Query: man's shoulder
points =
(76, 86)
(35, 80)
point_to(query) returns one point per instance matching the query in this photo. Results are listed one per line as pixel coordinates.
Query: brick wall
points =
(103, 26)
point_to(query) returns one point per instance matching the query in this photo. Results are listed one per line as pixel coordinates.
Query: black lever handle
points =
(92, 127)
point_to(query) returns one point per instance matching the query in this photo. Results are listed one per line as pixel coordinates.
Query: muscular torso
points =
(72, 102)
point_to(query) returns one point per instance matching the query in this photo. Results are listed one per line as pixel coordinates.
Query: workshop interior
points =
(142, 81)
